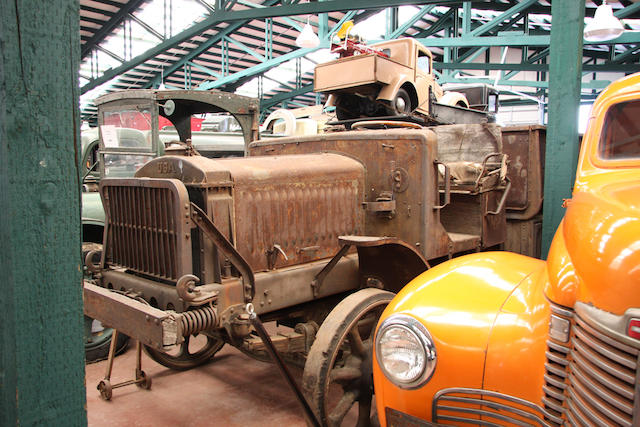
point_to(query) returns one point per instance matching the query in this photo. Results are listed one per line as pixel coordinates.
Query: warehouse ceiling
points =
(249, 47)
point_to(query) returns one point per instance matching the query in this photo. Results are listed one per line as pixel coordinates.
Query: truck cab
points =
(504, 338)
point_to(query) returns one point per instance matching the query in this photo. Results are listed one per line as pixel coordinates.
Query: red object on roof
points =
(350, 48)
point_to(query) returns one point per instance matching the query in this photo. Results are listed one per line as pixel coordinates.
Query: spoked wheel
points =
(338, 377)
(194, 351)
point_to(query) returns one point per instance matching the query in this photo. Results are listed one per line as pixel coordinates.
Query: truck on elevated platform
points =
(391, 78)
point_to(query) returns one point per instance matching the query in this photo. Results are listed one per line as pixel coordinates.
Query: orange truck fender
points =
(463, 300)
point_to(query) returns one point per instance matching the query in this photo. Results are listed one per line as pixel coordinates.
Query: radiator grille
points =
(147, 226)
(456, 406)
(556, 371)
(603, 375)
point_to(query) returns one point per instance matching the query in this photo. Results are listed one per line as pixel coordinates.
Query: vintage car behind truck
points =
(506, 339)
(386, 79)
(133, 137)
(295, 228)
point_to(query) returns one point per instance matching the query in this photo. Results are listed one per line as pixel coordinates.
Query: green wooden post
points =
(41, 322)
(565, 74)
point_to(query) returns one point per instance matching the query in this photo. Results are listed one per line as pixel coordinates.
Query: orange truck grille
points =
(147, 227)
(602, 376)
(593, 378)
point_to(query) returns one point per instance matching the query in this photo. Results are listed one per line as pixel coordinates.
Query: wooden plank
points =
(41, 322)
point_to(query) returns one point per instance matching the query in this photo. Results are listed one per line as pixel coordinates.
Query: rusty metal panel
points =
(524, 237)
(468, 142)
(398, 162)
(140, 321)
(494, 231)
(525, 146)
(290, 210)
(147, 226)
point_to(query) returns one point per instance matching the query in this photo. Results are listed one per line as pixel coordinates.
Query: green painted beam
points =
(607, 67)
(228, 30)
(629, 37)
(631, 53)
(291, 21)
(466, 17)
(41, 323)
(516, 9)
(248, 15)
(275, 100)
(203, 47)
(245, 48)
(443, 21)
(532, 59)
(627, 11)
(205, 69)
(411, 21)
(593, 84)
(261, 68)
(391, 21)
(267, 65)
(564, 98)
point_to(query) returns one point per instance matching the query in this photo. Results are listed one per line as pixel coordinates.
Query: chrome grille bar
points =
(556, 369)
(489, 405)
(603, 373)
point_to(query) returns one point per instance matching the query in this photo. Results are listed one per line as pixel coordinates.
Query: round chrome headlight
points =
(405, 351)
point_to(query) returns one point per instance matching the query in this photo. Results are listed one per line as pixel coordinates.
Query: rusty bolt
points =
(231, 310)
(147, 318)
(262, 303)
(269, 301)
(157, 321)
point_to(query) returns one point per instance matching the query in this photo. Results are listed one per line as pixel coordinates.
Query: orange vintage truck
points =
(500, 338)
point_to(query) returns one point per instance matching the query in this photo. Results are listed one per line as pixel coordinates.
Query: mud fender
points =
(388, 92)
(458, 302)
(92, 210)
(454, 99)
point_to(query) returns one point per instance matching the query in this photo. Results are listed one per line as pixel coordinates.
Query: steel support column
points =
(565, 75)
(41, 321)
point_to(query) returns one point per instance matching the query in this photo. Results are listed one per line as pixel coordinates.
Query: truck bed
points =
(355, 71)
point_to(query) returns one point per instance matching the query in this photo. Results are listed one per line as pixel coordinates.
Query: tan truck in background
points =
(385, 79)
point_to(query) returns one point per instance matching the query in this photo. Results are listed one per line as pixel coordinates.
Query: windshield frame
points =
(601, 119)
(153, 150)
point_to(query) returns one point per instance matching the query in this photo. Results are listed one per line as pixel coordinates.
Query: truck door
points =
(424, 77)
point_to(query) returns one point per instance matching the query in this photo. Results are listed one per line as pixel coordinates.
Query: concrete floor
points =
(232, 390)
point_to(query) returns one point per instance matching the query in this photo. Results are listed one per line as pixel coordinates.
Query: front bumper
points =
(400, 419)
(156, 328)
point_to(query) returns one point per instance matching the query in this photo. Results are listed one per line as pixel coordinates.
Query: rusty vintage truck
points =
(389, 78)
(295, 228)
(502, 339)
(132, 137)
